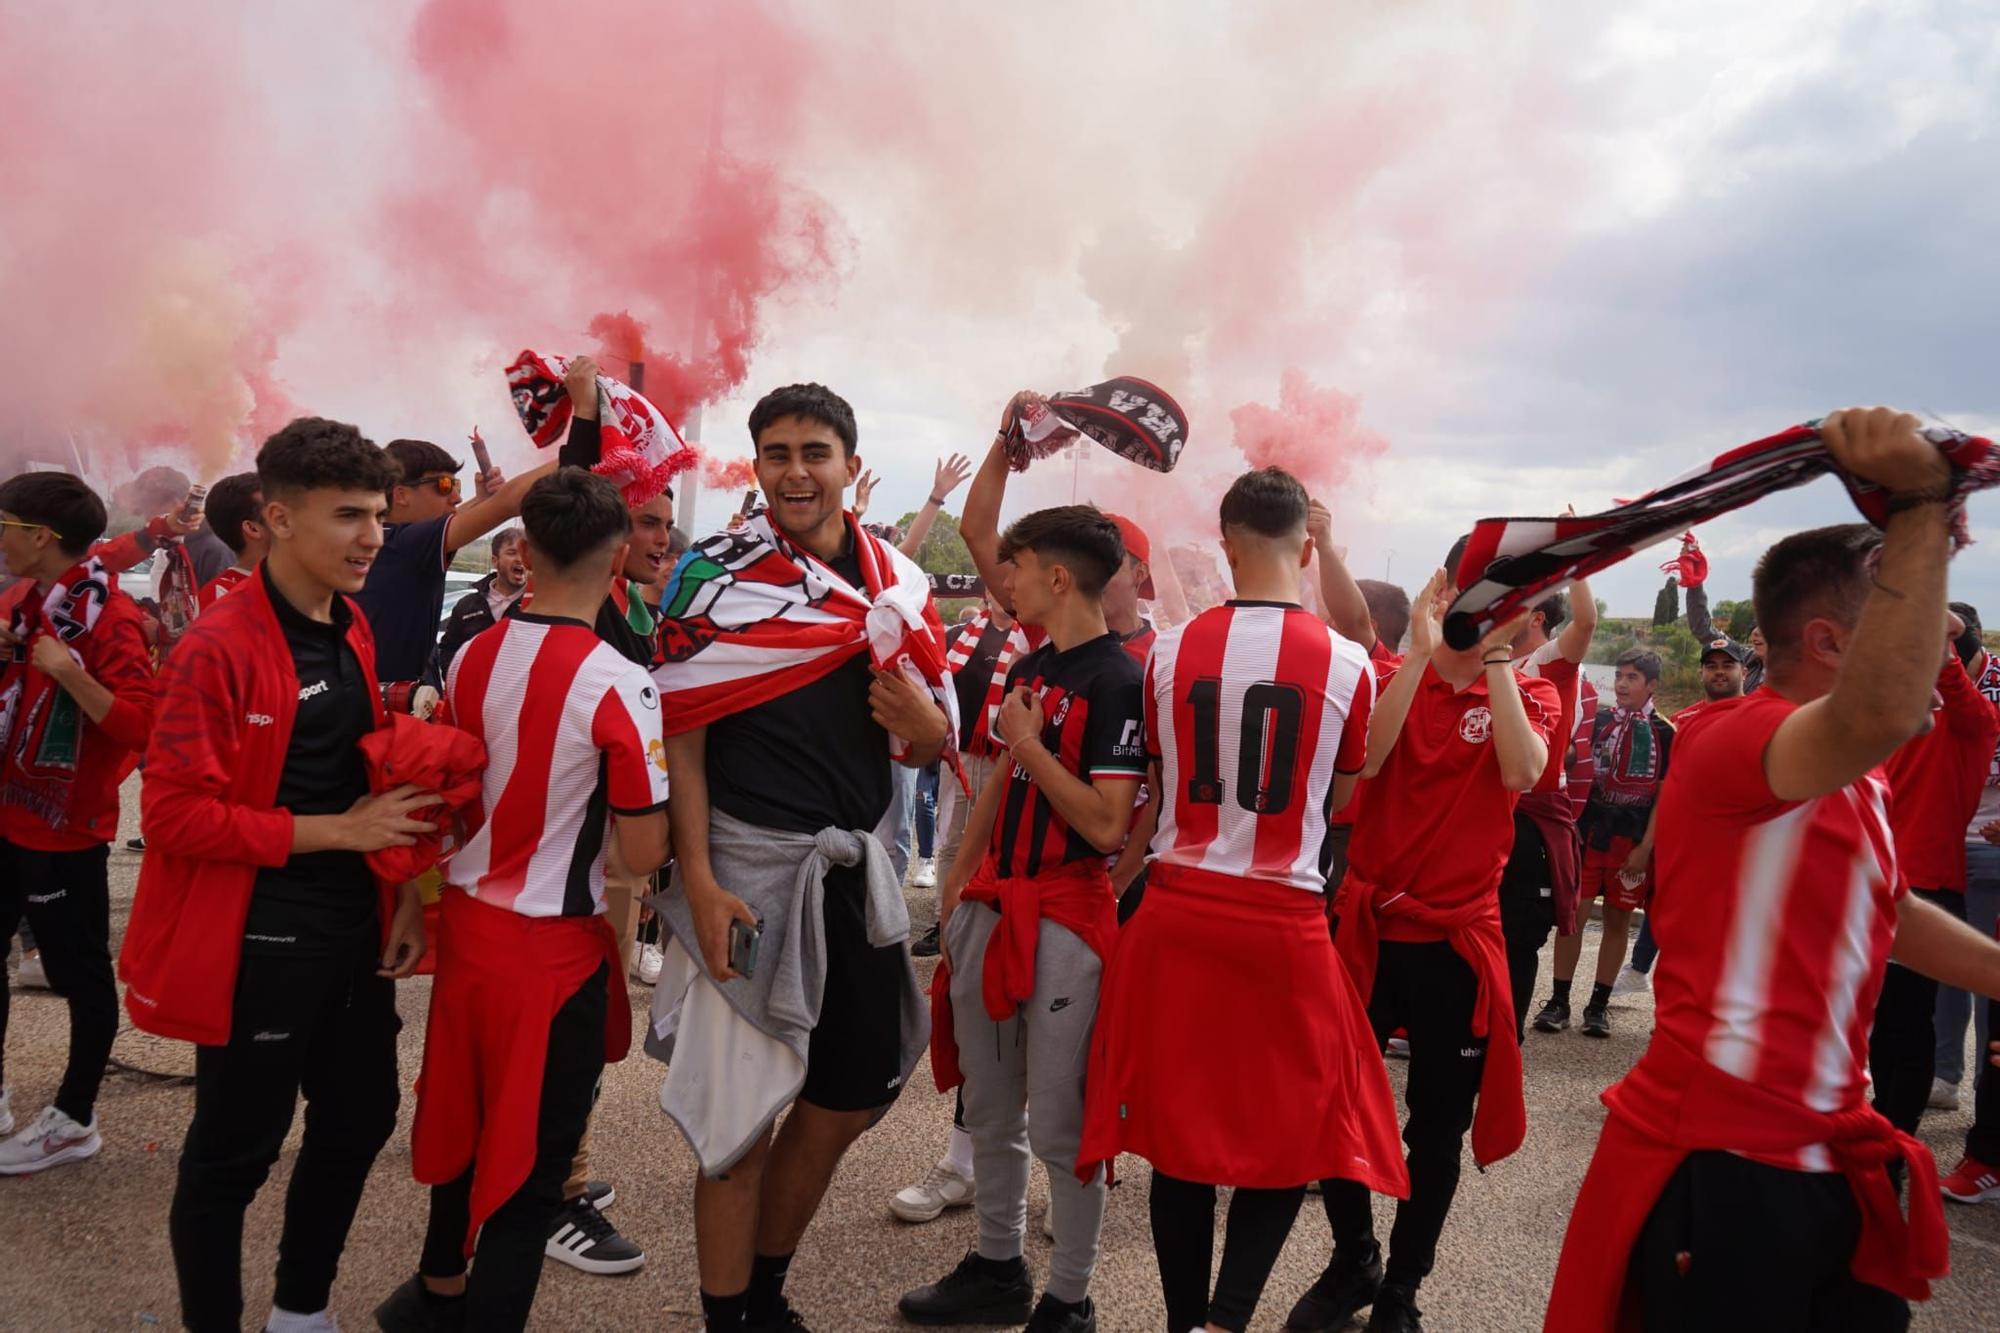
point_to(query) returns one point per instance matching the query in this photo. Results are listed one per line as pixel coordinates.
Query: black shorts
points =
(854, 1059)
(1733, 1243)
(1527, 893)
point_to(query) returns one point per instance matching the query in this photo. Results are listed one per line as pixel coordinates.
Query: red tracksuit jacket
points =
(1934, 783)
(207, 808)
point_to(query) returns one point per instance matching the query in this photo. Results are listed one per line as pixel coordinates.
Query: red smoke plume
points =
(1315, 434)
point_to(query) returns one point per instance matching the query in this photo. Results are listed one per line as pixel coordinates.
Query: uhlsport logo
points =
(1476, 725)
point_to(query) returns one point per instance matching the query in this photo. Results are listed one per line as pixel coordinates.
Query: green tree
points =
(1667, 606)
(944, 550)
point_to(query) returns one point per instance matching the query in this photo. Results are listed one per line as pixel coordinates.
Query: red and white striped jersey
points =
(1251, 708)
(572, 733)
(1774, 918)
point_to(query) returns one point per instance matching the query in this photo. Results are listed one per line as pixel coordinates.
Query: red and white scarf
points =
(642, 449)
(1511, 563)
(960, 653)
(41, 731)
(749, 615)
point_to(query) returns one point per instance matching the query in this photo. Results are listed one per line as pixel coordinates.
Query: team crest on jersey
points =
(1476, 725)
(656, 753)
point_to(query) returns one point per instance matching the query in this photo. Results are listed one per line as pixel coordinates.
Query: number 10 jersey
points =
(1251, 708)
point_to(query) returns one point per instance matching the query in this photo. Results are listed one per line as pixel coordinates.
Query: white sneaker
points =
(31, 973)
(6, 1110)
(285, 1321)
(923, 875)
(53, 1139)
(943, 1188)
(1630, 982)
(1944, 1096)
(1397, 1048)
(647, 960)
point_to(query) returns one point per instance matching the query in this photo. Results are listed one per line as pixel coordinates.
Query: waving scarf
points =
(1139, 422)
(642, 450)
(1511, 563)
(749, 615)
(44, 729)
(180, 593)
(1690, 568)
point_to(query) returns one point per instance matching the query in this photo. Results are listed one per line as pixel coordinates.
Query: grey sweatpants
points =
(1024, 1089)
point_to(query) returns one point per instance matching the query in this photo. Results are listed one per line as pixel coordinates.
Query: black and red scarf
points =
(1511, 563)
(41, 727)
(1139, 422)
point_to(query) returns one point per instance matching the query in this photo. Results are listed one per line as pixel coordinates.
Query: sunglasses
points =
(444, 484)
(18, 523)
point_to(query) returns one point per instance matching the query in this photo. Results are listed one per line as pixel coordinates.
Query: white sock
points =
(958, 1152)
(285, 1321)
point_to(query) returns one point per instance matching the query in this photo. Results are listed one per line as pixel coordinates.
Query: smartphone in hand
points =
(743, 947)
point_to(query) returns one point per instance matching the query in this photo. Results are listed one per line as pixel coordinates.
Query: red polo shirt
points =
(1436, 821)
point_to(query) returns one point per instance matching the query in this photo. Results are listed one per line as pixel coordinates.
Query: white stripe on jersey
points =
(1250, 654)
(1770, 860)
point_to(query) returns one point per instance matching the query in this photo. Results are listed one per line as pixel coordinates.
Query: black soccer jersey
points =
(1092, 701)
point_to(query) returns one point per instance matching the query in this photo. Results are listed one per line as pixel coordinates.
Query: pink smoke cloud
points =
(1313, 433)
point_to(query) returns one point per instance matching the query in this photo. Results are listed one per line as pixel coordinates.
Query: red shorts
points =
(1600, 875)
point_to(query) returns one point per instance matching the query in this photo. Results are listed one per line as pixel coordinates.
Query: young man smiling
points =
(490, 599)
(76, 701)
(780, 759)
(258, 931)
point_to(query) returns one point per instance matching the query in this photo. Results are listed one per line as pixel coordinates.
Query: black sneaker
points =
(927, 944)
(786, 1320)
(411, 1309)
(1054, 1316)
(1596, 1021)
(973, 1293)
(135, 844)
(1554, 1016)
(601, 1193)
(1396, 1310)
(1343, 1290)
(584, 1238)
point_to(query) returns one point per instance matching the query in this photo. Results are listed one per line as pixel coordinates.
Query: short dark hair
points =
(677, 541)
(1554, 609)
(1268, 501)
(502, 539)
(1823, 572)
(573, 513)
(314, 454)
(1080, 538)
(1969, 643)
(1645, 659)
(1389, 607)
(232, 502)
(815, 402)
(419, 458)
(60, 502)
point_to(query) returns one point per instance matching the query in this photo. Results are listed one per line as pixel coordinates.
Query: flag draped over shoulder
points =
(1510, 563)
(642, 450)
(1139, 422)
(749, 615)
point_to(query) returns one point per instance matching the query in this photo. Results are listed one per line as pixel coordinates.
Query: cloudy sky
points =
(1554, 253)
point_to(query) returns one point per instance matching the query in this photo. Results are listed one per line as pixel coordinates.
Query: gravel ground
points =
(86, 1245)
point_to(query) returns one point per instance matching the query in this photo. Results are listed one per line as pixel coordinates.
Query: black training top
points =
(808, 759)
(404, 597)
(318, 902)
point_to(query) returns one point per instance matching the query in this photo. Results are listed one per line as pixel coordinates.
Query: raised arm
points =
(1521, 748)
(1392, 706)
(1882, 694)
(980, 524)
(1346, 608)
(950, 475)
(1574, 641)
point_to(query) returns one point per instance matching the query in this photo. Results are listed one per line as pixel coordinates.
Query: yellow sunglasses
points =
(19, 523)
